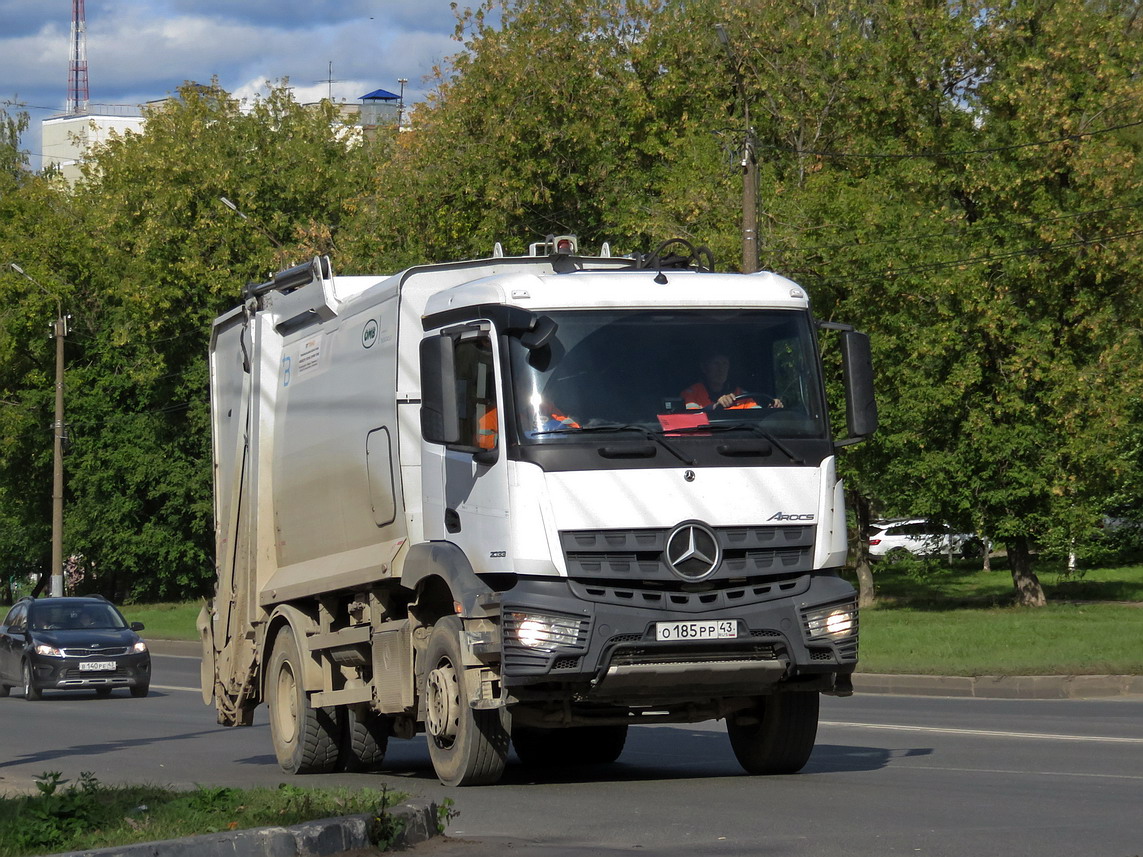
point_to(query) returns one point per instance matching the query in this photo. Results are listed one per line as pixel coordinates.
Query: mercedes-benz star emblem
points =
(693, 551)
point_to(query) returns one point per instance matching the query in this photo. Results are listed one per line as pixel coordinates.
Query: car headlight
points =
(541, 632)
(832, 622)
(48, 651)
(139, 648)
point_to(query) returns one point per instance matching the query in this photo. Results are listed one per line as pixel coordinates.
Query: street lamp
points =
(401, 101)
(59, 331)
(749, 164)
(253, 223)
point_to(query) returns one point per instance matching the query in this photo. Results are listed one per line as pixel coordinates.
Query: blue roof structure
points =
(381, 95)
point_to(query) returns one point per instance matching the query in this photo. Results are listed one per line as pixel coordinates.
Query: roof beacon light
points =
(552, 245)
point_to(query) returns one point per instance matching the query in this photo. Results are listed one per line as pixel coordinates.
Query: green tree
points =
(146, 256)
(995, 274)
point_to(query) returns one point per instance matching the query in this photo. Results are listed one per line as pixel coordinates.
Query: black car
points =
(71, 644)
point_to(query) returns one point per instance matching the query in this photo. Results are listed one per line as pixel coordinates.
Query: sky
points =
(143, 50)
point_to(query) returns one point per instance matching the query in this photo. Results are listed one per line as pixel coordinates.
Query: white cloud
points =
(143, 50)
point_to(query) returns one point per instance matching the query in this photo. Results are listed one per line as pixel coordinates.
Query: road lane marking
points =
(176, 687)
(1081, 775)
(984, 733)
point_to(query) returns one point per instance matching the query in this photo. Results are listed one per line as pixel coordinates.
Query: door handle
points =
(452, 520)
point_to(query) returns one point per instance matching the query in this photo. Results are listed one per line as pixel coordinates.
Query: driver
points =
(716, 391)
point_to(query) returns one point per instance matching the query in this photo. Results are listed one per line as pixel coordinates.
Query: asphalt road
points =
(890, 775)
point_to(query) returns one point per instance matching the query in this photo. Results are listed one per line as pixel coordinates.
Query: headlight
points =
(839, 622)
(139, 648)
(544, 633)
(831, 622)
(48, 651)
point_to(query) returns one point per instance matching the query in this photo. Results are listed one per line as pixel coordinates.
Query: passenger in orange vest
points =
(715, 390)
(487, 428)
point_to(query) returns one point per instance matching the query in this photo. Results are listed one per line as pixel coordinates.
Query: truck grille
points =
(657, 596)
(638, 554)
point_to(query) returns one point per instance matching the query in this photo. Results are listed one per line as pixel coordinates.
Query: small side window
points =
(476, 393)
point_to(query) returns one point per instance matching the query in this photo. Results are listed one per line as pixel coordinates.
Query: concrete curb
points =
(1002, 686)
(412, 822)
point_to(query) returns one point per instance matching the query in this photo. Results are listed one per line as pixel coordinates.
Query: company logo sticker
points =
(369, 334)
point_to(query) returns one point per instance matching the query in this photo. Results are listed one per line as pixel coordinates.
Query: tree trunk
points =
(866, 595)
(1029, 593)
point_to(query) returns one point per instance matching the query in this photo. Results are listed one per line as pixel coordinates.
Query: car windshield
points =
(71, 617)
(675, 370)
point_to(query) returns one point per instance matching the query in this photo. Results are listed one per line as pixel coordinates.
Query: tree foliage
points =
(963, 181)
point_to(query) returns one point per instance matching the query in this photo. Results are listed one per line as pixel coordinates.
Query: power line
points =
(952, 153)
(996, 257)
(947, 233)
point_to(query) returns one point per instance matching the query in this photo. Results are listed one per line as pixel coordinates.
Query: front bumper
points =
(50, 673)
(607, 650)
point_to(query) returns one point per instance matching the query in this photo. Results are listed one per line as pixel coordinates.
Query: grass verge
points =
(76, 816)
(935, 619)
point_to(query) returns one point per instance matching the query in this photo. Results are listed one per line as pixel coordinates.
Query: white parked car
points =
(898, 538)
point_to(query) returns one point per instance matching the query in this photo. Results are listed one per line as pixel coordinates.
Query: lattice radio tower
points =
(77, 93)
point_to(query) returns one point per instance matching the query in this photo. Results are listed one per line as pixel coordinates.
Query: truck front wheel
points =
(778, 735)
(467, 746)
(305, 738)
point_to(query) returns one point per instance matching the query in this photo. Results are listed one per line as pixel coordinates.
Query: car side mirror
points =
(137, 626)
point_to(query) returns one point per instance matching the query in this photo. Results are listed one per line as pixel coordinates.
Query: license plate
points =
(96, 666)
(720, 629)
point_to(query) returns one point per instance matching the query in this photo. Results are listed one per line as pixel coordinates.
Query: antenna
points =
(329, 80)
(77, 92)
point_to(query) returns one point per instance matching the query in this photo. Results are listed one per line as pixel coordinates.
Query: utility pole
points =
(749, 164)
(401, 101)
(59, 331)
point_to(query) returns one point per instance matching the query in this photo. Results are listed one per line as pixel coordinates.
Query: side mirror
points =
(540, 334)
(440, 415)
(137, 626)
(860, 402)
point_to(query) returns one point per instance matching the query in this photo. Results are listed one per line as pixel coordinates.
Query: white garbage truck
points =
(529, 502)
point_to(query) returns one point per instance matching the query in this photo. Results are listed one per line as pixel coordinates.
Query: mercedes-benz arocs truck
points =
(504, 503)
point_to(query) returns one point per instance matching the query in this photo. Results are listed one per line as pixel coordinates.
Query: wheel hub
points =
(443, 703)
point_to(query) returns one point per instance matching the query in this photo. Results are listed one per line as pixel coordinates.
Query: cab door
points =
(470, 508)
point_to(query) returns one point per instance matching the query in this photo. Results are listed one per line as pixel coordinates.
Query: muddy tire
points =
(577, 745)
(305, 739)
(778, 735)
(365, 740)
(467, 746)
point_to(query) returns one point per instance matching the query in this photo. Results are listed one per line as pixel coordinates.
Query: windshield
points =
(670, 372)
(71, 617)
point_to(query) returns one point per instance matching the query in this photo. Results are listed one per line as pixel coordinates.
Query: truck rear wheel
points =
(576, 745)
(467, 746)
(366, 739)
(305, 738)
(778, 735)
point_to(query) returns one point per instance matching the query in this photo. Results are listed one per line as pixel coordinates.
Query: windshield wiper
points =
(750, 427)
(655, 437)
